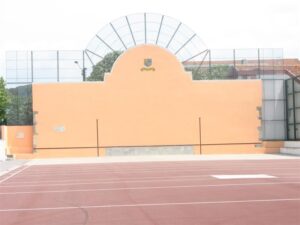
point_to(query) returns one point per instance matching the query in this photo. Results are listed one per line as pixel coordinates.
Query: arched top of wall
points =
(146, 28)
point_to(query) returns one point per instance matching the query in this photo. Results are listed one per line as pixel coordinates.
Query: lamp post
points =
(83, 71)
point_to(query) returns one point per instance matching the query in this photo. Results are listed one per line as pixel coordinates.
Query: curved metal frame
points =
(146, 28)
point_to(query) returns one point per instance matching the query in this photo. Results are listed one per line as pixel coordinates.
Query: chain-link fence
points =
(26, 67)
(237, 64)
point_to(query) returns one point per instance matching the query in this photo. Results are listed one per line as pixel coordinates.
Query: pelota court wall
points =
(136, 105)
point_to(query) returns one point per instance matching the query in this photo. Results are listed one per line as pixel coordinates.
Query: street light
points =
(83, 70)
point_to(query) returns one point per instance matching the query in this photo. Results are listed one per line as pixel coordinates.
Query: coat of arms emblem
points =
(147, 62)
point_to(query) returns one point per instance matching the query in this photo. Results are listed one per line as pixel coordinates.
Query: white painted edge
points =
(159, 158)
(242, 176)
(149, 188)
(149, 204)
(121, 181)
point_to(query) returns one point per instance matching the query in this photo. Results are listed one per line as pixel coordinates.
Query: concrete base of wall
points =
(290, 151)
(165, 150)
(2, 150)
(291, 148)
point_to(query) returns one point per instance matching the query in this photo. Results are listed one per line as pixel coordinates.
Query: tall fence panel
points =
(293, 109)
(271, 72)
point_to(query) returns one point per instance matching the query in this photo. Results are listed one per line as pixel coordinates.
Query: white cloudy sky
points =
(70, 24)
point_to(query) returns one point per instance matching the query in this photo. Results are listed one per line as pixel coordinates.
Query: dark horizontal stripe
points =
(44, 148)
(25, 82)
(251, 143)
(16, 125)
(136, 146)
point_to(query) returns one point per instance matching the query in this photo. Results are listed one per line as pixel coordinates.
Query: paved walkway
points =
(6, 166)
(9, 165)
(159, 158)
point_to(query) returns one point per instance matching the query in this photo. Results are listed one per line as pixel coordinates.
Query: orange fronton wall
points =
(146, 106)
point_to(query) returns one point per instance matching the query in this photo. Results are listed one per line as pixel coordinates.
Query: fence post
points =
(97, 133)
(57, 58)
(209, 63)
(258, 60)
(234, 64)
(287, 109)
(200, 131)
(294, 109)
(31, 64)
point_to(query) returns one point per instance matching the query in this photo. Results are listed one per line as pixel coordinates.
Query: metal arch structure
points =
(147, 28)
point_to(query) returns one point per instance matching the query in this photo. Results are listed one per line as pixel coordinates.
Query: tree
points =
(215, 72)
(19, 110)
(104, 66)
(4, 101)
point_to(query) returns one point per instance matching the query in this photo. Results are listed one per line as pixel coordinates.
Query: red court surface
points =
(173, 193)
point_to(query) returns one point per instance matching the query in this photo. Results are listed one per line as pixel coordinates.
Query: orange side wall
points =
(18, 139)
(156, 107)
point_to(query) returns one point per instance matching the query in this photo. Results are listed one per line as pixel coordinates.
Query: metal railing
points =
(23, 68)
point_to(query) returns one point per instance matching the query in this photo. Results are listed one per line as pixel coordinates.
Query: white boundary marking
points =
(148, 188)
(242, 176)
(151, 204)
(67, 181)
(107, 182)
(17, 183)
(15, 173)
(116, 182)
(138, 171)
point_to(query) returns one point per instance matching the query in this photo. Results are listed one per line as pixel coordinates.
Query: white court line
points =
(105, 179)
(187, 168)
(137, 171)
(242, 176)
(150, 204)
(119, 182)
(147, 188)
(122, 179)
(14, 174)
(107, 182)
